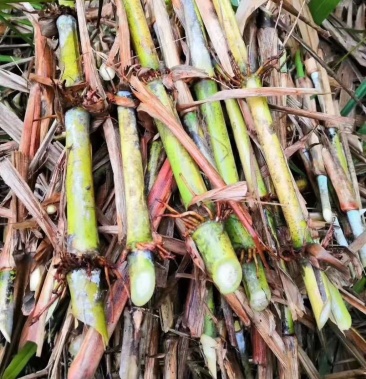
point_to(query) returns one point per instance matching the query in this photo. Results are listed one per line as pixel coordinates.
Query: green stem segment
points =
(70, 62)
(7, 280)
(280, 173)
(254, 277)
(211, 111)
(208, 336)
(85, 287)
(252, 173)
(141, 266)
(81, 216)
(221, 263)
(219, 256)
(83, 239)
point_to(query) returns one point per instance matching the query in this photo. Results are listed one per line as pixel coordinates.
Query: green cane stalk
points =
(209, 334)
(170, 53)
(281, 177)
(252, 173)
(313, 142)
(220, 142)
(141, 266)
(212, 112)
(83, 240)
(254, 277)
(186, 172)
(156, 160)
(7, 304)
(326, 105)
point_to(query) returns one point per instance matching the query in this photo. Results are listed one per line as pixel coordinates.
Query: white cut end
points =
(209, 351)
(259, 301)
(227, 276)
(357, 227)
(338, 233)
(51, 209)
(324, 314)
(327, 214)
(355, 222)
(35, 279)
(142, 287)
(75, 345)
(106, 72)
(324, 198)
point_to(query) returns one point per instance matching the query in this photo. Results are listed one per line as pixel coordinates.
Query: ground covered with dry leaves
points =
(182, 187)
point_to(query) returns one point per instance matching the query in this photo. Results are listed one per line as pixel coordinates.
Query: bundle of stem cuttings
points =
(261, 263)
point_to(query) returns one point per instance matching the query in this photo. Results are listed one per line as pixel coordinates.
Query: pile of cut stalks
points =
(182, 185)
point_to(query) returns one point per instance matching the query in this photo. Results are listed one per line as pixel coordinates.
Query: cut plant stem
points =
(208, 336)
(326, 104)
(83, 240)
(186, 172)
(70, 62)
(345, 194)
(156, 160)
(7, 304)
(280, 175)
(141, 266)
(212, 112)
(252, 173)
(221, 263)
(85, 287)
(254, 277)
(315, 146)
(168, 47)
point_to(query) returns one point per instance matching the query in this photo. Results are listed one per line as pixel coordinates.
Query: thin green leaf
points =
(20, 360)
(321, 9)
(359, 94)
(14, 30)
(8, 58)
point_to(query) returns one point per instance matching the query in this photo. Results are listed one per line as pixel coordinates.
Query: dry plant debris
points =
(182, 189)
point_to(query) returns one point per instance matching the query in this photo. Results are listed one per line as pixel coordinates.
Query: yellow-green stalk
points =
(156, 159)
(140, 263)
(186, 172)
(70, 62)
(7, 304)
(314, 144)
(254, 277)
(220, 142)
(212, 112)
(208, 336)
(326, 106)
(83, 240)
(252, 173)
(170, 53)
(280, 175)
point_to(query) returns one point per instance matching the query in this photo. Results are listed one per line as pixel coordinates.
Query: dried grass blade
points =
(308, 365)
(215, 33)
(113, 145)
(10, 123)
(243, 93)
(235, 192)
(245, 10)
(21, 189)
(13, 81)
